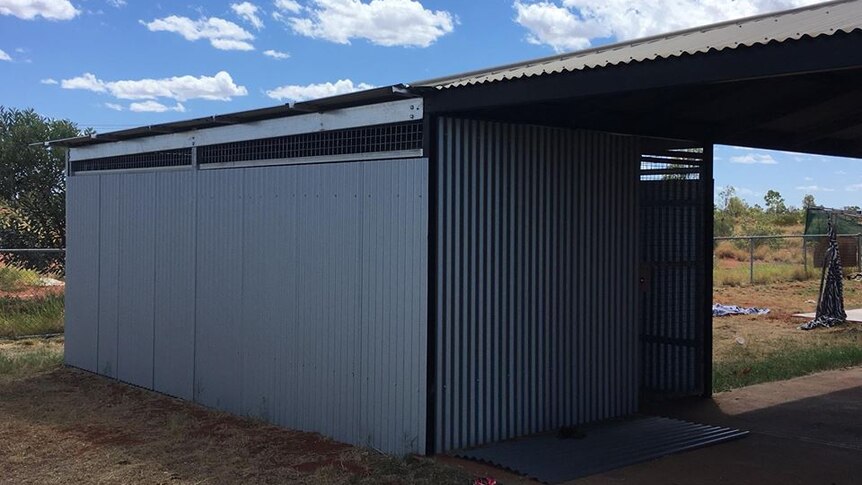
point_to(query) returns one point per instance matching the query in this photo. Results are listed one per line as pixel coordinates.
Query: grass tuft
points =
(34, 316)
(29, 357)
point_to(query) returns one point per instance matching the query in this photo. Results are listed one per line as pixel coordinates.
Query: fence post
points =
(859, 252)
(805, 256)
(751, 260)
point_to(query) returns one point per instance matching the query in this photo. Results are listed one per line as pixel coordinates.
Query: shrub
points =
(784, 255)
(13, 279)
(799, 274)
(722, 226)
(726, 250)
(730, 279)
(759, 227)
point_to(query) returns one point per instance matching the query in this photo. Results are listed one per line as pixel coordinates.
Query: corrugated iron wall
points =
(672, 238)
(294, 294)
(537, 283)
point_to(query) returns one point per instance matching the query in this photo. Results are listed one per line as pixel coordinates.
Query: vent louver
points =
(161, 159)
(398, 137)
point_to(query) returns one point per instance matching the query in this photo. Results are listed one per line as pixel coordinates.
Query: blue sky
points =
(112, 64)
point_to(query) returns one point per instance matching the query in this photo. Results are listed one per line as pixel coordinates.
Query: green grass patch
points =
(24, 362)
(14, 279)
(35, 316)
(744, 368)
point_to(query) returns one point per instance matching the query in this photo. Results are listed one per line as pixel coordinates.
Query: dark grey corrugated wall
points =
(294, 294)
(537, 280)
(673, 268)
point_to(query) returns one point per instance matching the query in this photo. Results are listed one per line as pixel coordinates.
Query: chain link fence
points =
(741, 260)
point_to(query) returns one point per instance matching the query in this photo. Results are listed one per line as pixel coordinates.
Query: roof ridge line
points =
(629, 43)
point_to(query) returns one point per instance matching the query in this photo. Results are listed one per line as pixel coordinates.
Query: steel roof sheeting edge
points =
(349, 100)
(812, 21)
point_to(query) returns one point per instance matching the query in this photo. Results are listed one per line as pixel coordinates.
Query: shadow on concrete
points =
(803, 431)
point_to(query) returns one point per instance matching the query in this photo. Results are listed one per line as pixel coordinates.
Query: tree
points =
(732, 205)
(808, 201)
(774, 202)
(725, 194)
(32, 187)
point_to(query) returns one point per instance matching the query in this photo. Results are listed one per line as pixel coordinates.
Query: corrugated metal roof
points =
(821, 19)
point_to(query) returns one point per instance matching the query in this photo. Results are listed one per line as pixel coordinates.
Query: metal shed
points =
(441, 264)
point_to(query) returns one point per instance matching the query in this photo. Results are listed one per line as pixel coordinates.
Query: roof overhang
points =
(787, 81)
(802, 95)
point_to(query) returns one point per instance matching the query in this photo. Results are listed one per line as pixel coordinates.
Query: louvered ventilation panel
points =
(672, 164)
(161, 159)
(391, 138)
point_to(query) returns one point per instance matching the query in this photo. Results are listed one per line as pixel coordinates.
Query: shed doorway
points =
(676, 278)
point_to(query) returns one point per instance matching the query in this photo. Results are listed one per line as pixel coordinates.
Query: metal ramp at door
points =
(599, 448)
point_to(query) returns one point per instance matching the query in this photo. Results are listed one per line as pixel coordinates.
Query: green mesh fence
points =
(847, 223)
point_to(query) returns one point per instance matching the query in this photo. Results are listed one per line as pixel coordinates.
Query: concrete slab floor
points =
(854, 315)
(806, 430)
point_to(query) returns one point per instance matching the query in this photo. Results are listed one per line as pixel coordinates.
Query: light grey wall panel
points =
(82, 273)
(537, 280)
(393, 302)
(333, 316)
(136, 278)
(295, 294)
(174, 294)
(219, 322)
(109, 277)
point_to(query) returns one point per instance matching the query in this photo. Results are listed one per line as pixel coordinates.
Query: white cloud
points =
(754, 158)
(4, 56)
(47, 9)
(814, 188)
(840, 172)
(248, 12)
(382, 22)
(289, 6)
(220, 87)
(276, 54)
(574, 24)
(155, 107)
(85, 81)
(809, 179)
(117, 3)
(222, 34)
(316, 91)
(49, 81)
(231, 45)
(114, 106)
(853, 188)
(556, 26)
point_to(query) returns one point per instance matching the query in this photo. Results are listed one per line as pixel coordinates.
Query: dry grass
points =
(67, 426)
(28, 357)
(60, 425)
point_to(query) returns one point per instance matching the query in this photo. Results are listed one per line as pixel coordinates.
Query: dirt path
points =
(67, 426)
